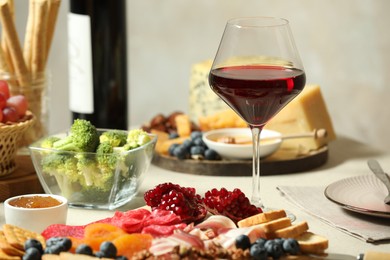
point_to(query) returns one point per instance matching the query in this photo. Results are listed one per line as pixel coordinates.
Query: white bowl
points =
(36, 219)
(241, 151)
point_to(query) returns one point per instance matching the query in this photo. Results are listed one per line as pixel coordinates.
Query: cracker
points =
(7, 248)
(17, 236)
(5, 256)
(183, 125)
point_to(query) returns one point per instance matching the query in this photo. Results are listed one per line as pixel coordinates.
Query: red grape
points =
(3, 101)
(4, 89)
(10, 114)
(19, 102)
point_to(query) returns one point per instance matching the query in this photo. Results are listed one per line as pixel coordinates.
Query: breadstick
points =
(6, 54)
(27, 48)
(38, 55)
(54, 6)
(12, 41)
(3, 64)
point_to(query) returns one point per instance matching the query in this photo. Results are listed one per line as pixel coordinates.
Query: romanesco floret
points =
(136, 138)
(115, 138)
(83, 137)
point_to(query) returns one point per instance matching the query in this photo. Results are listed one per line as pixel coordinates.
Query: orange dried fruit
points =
(129, 244)
(96, 233)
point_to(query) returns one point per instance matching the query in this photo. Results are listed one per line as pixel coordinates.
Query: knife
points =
(378, 171)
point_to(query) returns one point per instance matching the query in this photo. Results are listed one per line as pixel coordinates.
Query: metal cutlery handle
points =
(378, 171)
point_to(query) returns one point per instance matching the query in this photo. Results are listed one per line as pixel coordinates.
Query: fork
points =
(378, 171)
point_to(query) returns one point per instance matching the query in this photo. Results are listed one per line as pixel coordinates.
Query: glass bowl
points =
(88, 183)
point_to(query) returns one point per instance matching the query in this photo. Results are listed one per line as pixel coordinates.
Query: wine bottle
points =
(98, 62)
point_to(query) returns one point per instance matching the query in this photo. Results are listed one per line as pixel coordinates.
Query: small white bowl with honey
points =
(236, 143)
(36, 212)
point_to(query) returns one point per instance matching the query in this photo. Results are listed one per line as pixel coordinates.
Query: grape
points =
(10, 115)
(3, 101)
(19, 102)
(4, 89)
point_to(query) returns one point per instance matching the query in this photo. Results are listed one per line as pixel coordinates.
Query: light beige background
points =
(344, 45)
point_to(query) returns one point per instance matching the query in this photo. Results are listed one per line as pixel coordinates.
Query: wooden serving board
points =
(281, 162)
(23, 180)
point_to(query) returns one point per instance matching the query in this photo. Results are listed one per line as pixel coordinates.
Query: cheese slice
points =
(202, 100)
(304, 114)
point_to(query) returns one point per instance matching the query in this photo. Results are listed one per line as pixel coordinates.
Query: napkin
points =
(312, 200)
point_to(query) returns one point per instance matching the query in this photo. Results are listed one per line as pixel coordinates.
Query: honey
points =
(35, 202)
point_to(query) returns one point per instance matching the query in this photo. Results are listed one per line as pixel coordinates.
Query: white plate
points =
(241, 151)
(363, 194)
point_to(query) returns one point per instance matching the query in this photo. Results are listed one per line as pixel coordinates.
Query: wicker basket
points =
(10, 135)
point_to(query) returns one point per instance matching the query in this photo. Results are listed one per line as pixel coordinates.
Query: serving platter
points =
(362, 194)
(283, 161)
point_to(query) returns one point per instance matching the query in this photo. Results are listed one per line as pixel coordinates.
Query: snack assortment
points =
(155, 232)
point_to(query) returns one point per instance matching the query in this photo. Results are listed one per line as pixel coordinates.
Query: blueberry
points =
(54, 249)
(65, 242)
(279, 241)
(196, 134)
(291, 246)
(197, 150)
(243, 242)
(274, 249)
(108, 249)
(199, 142)
(173, 135)
(210, 154)
(258, 252)
(171, 148)
(181, 152)
(121, 257)
(33, 243)
(187, 144)
(32, 253)
(261, 241)
(84, 249)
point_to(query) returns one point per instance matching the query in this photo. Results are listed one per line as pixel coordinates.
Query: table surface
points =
(347, 158)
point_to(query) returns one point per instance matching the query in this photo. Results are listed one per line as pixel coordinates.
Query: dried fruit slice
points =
(233, 204)
(130, 244)
(182, 201)
(96, 233)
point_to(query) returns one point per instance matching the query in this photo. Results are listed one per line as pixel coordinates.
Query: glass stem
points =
(256, 200)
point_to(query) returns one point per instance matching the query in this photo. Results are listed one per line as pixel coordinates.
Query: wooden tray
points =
(281, 162)
(22, 181)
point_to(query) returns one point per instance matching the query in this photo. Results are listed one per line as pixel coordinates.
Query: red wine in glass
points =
(257, 71)
(257, 92)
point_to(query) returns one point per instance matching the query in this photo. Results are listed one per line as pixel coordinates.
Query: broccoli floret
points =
(87, 167)
(106, 162)
(136, 138)
(64, 168)
(83, 137)
(49, 141)
(114, 137)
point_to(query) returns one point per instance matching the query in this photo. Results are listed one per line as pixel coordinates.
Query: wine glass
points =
(257, 71)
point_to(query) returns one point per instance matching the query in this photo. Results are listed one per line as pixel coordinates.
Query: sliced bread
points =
(262, 218)
(311, 243)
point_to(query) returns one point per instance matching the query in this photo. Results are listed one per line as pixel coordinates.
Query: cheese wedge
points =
(304, 114)
(202, 100)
